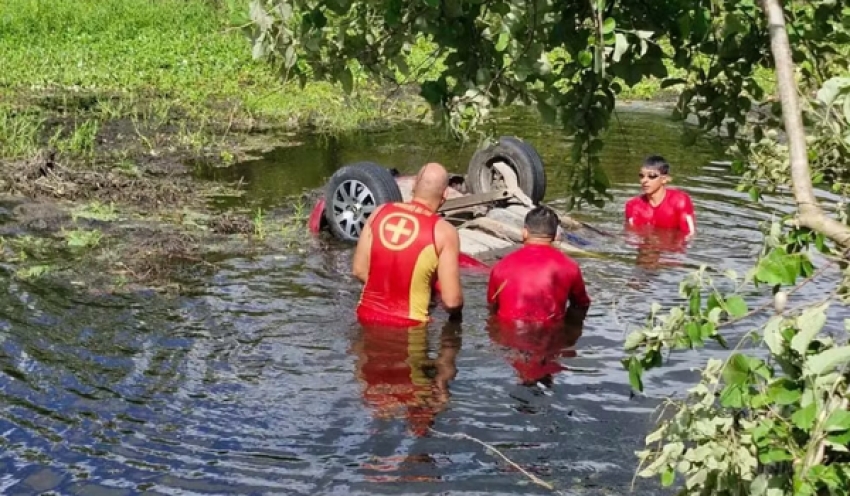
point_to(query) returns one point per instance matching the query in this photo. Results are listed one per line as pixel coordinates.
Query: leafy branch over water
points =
(777, 426)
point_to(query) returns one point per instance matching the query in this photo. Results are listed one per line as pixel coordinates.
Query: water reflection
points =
(400, 379)
(535, 350)
(259, 380)
(656, 249)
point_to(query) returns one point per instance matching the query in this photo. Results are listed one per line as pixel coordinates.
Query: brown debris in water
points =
(156, 256)
(229, 223)
(44, 177)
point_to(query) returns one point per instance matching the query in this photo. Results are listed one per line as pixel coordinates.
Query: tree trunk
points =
(810, 214)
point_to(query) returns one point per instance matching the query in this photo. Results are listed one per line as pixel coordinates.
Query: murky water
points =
(259, 381)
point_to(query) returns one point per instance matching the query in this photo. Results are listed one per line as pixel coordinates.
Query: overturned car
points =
(488, 204)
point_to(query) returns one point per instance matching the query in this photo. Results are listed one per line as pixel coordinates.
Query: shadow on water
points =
(259, 381)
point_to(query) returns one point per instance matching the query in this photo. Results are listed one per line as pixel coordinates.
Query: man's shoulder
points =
(635, 201)
(511, 258)
(678, 193)
(678, 197)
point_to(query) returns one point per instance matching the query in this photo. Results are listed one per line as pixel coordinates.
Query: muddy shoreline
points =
(130, 216)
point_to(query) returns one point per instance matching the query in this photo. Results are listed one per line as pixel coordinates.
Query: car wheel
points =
(353, 193)
(520, 156)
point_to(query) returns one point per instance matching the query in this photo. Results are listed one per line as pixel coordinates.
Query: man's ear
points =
(524, 234)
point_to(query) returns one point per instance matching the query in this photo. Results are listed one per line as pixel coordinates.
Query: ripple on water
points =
(258, 381)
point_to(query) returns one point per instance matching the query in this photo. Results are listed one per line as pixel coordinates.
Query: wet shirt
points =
(534, 284)
(402, 266)
(671, 213)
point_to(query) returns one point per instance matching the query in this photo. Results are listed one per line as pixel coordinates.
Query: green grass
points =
(166, 61)
(176, 69)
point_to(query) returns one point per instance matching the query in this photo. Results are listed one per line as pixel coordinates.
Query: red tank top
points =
(671, 213)
(402, 266)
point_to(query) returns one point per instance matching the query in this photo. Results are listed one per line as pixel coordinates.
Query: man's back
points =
(403, 260)
(535, 283)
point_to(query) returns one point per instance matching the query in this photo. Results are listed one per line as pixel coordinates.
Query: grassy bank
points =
(165, 67)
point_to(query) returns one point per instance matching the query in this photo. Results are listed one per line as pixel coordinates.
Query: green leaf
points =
(732, 396)
(843, 438)
(784, 392)
(736, 306)
(502, 41)
(839, 420)
(633, 340)
(694, 333)
(737, 371)
(759, 368)
(585, 58)
(608, 25)
(694, 302)
(772, 337)
(668, 477)
(831, 89)
(825, 361)
(810, 322)
(778, 267)
(805, 417)
(713, 302)
(635, 371)
(775, 455)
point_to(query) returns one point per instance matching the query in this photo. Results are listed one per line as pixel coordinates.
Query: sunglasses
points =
(650, 176)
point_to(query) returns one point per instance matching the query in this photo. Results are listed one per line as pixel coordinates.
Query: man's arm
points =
(448, 267)
(687, 219)
(629, 212)
(360, 264)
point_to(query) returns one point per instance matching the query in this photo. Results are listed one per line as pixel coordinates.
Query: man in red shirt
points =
(660, 206)
(534, 283)
(404, 247)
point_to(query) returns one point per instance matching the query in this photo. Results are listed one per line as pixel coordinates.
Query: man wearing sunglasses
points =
(660, 206)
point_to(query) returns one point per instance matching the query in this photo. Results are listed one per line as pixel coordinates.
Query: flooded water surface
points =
(258, 380)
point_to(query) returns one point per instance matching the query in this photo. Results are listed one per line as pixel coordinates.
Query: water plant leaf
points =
(825, 361)
(736, 306)
(778, 267)
(810, 322)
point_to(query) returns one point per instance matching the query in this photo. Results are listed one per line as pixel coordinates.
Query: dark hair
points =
(542, 221)
(657, 162)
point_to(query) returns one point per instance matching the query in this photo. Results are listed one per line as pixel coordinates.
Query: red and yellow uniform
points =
(402, 266)
(394, 367)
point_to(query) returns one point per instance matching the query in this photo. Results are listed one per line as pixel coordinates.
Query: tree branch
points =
(810, 213)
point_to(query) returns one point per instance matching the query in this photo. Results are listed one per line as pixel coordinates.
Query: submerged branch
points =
(810, 213)
(460, 435)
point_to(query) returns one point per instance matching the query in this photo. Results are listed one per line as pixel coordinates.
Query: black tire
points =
(520, 156)
(352, 194)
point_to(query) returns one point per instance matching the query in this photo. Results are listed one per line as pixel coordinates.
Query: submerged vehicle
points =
(488, 204)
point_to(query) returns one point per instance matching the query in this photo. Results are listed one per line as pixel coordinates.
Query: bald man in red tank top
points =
(660, 206)
(402, 250)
